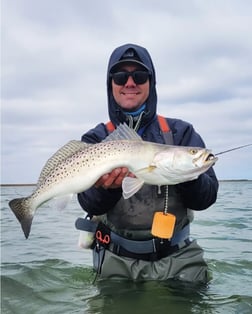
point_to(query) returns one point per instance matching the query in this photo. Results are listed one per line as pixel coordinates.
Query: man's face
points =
(130, 96)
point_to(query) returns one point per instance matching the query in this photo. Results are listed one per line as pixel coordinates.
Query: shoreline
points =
(17, 184)
(34, 184)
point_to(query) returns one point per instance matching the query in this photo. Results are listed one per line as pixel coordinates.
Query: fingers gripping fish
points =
(77, 166)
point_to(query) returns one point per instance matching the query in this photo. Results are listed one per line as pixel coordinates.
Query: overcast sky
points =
(54, 62)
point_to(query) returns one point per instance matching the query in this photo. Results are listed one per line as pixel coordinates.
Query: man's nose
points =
(130, 82)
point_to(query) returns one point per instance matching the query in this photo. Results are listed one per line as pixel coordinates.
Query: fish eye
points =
(193, 151)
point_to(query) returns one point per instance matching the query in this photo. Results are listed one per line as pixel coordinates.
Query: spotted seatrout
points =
(77, 166)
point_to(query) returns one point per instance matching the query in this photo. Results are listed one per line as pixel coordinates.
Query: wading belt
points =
(139, 249)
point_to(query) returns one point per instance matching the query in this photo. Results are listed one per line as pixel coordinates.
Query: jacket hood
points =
(116, 114)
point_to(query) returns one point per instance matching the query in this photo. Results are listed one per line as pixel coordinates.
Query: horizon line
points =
(34, 184)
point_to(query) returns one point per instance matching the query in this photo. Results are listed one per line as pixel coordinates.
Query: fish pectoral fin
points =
(62, 201)
(130, 186)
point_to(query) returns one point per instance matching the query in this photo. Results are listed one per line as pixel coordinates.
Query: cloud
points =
(54, 62)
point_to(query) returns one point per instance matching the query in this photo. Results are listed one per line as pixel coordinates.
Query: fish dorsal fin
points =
(123, 132)
(63, 153)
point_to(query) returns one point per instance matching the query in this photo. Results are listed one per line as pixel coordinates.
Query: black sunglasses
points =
(139, 77)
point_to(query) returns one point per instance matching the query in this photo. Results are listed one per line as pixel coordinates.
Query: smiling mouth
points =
(129, 93)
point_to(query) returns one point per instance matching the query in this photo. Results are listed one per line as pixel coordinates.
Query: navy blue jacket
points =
(198, 194)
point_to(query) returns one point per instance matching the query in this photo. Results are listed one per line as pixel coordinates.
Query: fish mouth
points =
(211, 157)
(206, 158)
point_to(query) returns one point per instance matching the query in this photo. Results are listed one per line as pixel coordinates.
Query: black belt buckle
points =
(162, 244)
(164, 248)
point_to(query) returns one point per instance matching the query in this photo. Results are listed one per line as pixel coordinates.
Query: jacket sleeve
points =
(201, 193)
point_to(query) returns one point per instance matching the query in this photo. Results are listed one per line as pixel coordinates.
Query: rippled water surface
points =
(48, 273)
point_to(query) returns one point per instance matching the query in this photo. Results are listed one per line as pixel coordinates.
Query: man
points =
(124, 246)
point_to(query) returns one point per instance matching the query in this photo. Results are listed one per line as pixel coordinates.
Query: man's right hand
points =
(113, 180)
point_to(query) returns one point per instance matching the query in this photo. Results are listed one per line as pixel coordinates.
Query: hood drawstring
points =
(134, 122)
(135, 118)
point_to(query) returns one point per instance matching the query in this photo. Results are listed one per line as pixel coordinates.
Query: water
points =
(48, 273)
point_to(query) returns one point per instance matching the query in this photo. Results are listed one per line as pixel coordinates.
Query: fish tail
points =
(24, 212)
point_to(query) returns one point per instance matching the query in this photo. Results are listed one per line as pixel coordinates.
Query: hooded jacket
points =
(137, 212)
(116, 114)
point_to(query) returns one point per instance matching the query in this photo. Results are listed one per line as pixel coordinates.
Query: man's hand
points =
(113, 180)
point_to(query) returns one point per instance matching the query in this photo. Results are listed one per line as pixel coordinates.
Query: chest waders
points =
(124, 246)
(128, 224)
